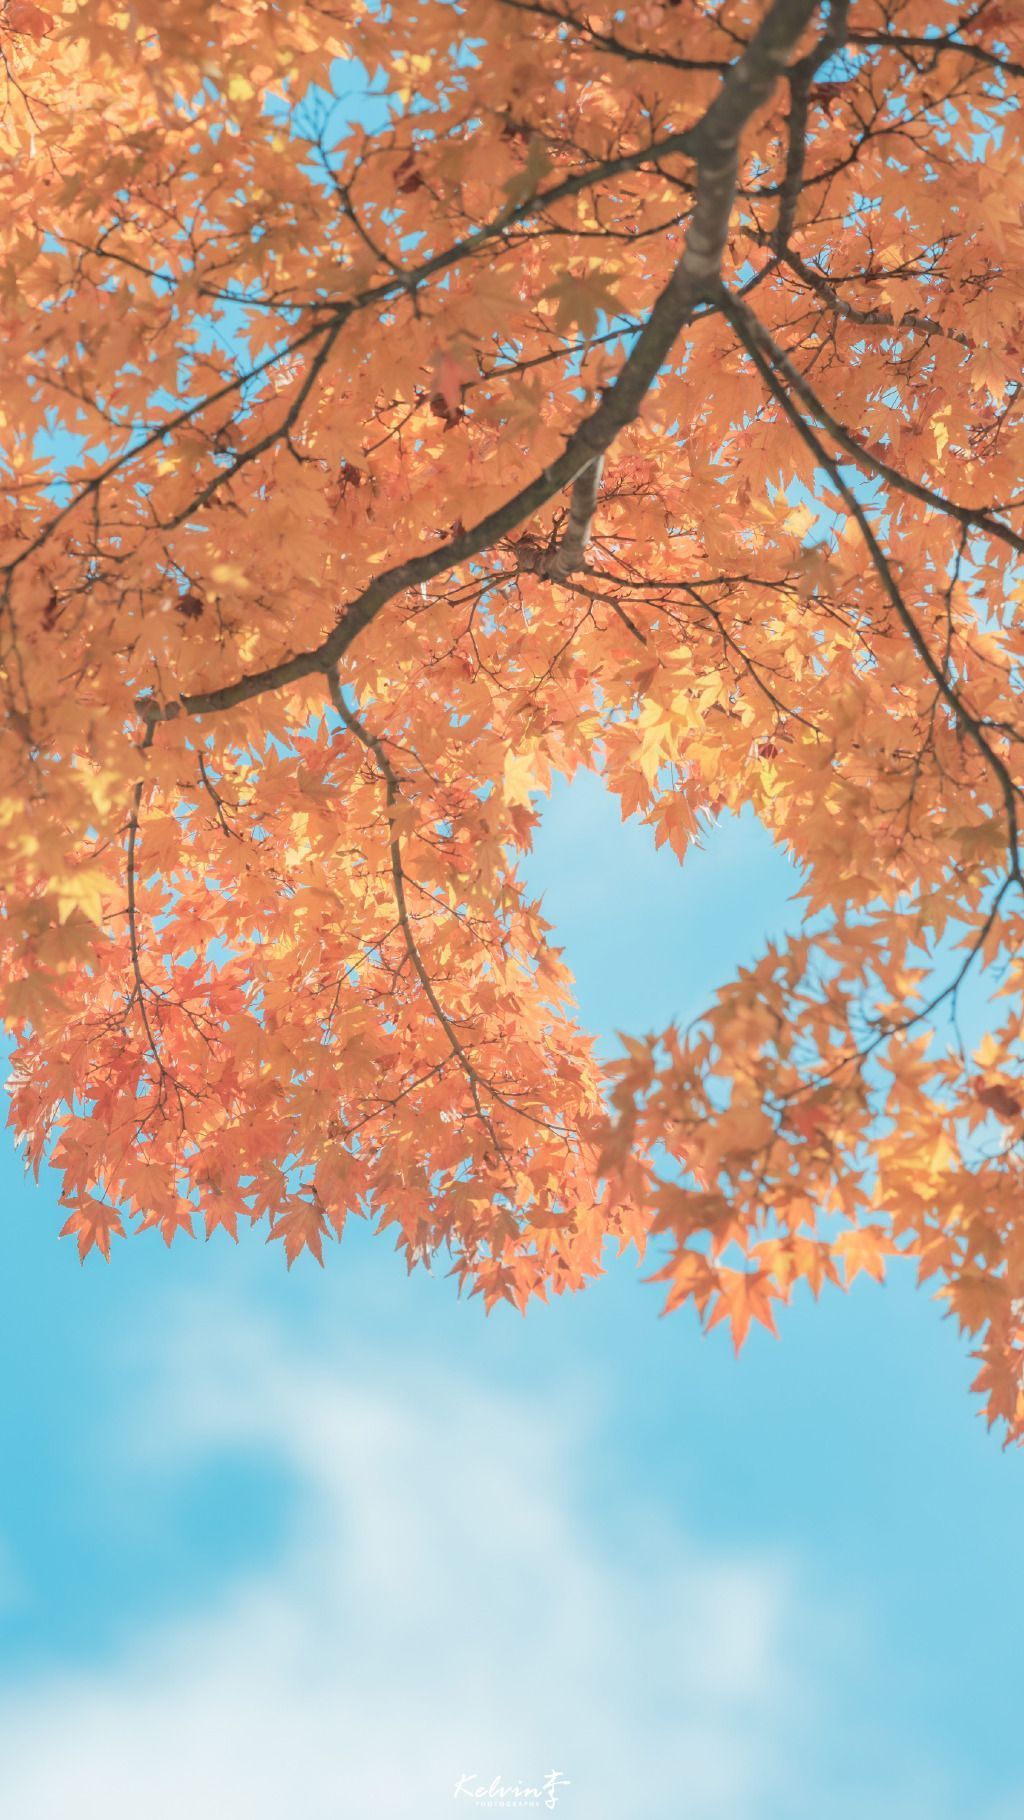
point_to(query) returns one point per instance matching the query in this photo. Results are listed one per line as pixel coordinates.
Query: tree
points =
(633, 388)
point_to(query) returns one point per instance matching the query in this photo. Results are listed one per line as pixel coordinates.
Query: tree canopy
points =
(403, 405)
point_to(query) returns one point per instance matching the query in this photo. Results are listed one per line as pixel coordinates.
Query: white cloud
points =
(449, 1600)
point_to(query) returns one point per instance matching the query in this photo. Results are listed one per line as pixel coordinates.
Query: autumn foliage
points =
(404, 404)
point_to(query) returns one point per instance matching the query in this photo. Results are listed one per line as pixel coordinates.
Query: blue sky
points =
(320, 1543)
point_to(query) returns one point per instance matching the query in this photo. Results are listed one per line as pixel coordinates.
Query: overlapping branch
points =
(908, 43)
(969, 516)
(714, 143)
(774, 369)
(478, 1082)
(599, 40)
(801, 82)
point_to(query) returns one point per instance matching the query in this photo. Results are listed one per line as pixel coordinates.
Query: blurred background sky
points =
(318, 1544)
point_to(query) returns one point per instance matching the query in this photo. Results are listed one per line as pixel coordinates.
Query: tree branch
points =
(392, 793)
(801, 79)
(568, 553)
(866, 458)
(883, 319)
(714, 143)
(750, 334)
(907, 42)
(614, 47)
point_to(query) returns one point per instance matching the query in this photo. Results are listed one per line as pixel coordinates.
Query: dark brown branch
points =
(883, 319)
(567, 555)
(376, 746)
(609, 600)
(866, 458)
(477, 1081)
(714, 143)
(801, 81)
(907, 42)
(330, 318)
(217, 800)
(604, 41)
(748, 331)
(138, 993)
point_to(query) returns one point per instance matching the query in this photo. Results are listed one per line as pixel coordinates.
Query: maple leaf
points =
(301, 1227)
(22, 17)
(93, 1223)
(450, 414)
(582, 300)
(519, 778)
(407, 178)
(452, 369)
(80, 890)
(743, 1296)
(996, 1097)
(864, 1248)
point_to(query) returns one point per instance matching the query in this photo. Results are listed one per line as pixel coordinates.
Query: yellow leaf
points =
(80, 891)
(231, 574)
(520, 777)
(940, 431)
